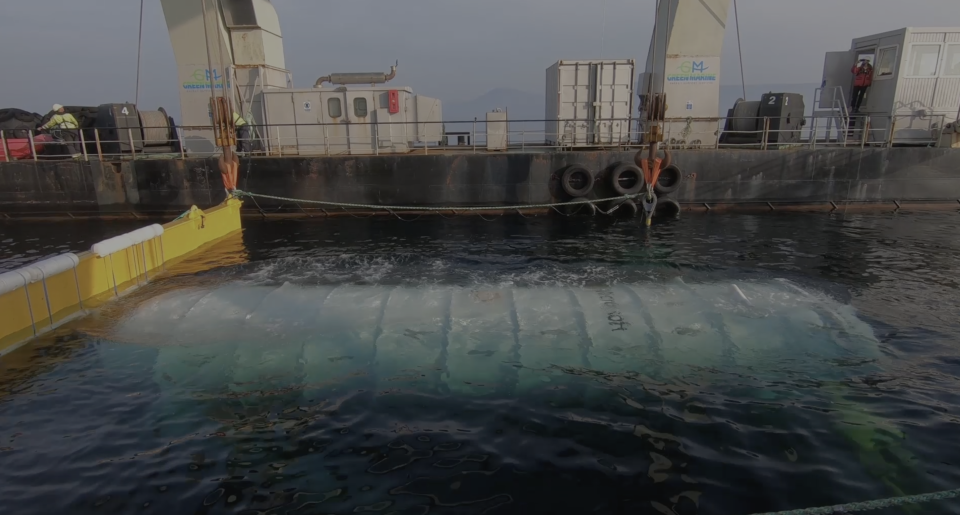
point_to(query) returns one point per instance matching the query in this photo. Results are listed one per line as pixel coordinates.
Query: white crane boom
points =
(246, 47)
(684, 63)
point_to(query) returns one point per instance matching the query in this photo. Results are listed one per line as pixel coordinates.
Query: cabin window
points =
(333, 108)
(360, 107)
(886, 60)
(951, 65)
(924, 59)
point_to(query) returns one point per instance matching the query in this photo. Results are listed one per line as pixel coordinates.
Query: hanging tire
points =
(580, 209)
(576, 181)
(669, 181)
(667, 207)
(626, 179)
(622, 208)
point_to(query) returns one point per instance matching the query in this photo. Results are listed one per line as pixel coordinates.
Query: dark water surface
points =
(86, 426)
(22, 243)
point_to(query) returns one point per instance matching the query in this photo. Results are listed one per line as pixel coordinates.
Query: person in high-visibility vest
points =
(65, 127)
(243, 133)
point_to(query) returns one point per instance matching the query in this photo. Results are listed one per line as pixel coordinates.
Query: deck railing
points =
(472, 136)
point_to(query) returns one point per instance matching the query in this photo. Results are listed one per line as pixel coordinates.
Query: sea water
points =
(715, 364)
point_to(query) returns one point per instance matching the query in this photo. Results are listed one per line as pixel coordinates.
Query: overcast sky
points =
(84, 52)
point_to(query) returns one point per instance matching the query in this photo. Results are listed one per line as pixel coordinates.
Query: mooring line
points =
(345, 205)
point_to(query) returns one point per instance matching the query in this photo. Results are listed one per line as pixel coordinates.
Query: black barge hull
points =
(814, 179)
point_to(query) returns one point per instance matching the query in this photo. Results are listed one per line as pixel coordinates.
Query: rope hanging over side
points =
(345, 205)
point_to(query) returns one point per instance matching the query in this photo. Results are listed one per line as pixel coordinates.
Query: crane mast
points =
(245, 58)
(680, 86)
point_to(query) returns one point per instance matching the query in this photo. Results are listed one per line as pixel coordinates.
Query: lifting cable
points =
(743, 82)
(136, 97)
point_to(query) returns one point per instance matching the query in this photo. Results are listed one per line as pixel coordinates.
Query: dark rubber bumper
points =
(576, 181)
(669, 181)
(626, 179)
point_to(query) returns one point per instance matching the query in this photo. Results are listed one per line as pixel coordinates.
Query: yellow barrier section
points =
(39, 306)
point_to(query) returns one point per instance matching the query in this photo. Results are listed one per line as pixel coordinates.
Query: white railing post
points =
(133, 149)
(83, 145)
(96, 138)
(866, 130)
(893, 127)
(33, 148)
(764, 134)
(326, 143)
(180, 142)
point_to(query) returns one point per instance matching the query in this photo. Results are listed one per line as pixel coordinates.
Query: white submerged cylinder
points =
(479, 340)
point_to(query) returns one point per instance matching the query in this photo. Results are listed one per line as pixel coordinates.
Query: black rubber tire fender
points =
(667, 207)
(577, 181)
(669, 181)
(627, 209)
(587, 209)
(622, 208)
(626, 179)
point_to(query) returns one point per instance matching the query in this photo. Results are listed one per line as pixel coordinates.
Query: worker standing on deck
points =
(65, 128)
(862, 79)
(243, 133)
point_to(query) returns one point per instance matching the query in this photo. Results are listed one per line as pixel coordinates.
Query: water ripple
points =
(87, 431)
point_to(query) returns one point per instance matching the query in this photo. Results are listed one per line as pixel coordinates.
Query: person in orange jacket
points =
(862, 79)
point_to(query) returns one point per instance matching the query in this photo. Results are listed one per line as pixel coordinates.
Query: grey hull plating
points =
(238, 338)
(736, 177)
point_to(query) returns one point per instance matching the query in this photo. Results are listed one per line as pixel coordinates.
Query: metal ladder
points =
(839, 114)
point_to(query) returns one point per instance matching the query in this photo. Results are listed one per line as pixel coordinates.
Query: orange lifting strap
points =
(649, 175)
(229, 168)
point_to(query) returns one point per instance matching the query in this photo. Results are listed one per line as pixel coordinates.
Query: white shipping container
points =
(589, 103)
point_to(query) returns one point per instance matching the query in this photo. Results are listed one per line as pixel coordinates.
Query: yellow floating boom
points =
(39, 297)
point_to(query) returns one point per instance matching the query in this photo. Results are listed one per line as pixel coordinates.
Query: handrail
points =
(679, 133)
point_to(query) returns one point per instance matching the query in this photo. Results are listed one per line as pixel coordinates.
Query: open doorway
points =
(862, 78)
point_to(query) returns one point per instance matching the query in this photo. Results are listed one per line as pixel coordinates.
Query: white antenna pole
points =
(603, 26)
(136, 96)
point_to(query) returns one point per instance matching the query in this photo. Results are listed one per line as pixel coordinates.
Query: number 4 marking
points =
(124, 110)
